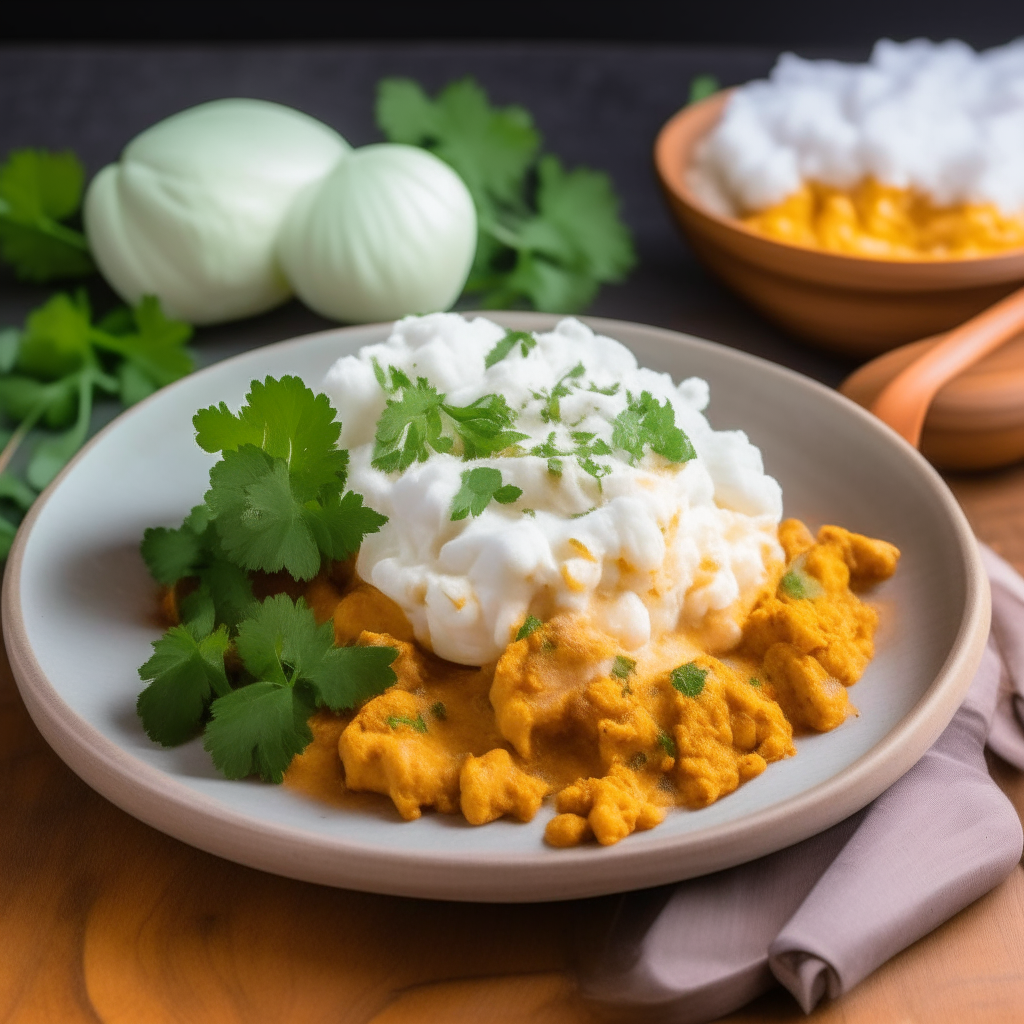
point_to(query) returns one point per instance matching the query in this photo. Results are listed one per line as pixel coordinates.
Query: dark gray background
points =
(596, 104)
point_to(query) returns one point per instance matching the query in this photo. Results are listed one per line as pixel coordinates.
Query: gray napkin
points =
(822, 915)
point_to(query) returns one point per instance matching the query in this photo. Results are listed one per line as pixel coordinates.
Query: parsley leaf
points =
(646, 423)
(689, 679)
(523, 339)
(667, 744)
(703, 86)
(38, 190)
(186, 670)
(417, 724)
(479, 486)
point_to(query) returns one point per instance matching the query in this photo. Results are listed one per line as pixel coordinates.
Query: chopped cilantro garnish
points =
(799, 584)
(549, 237)
(551, 409)
(479, 486)
(548, 645)
(646, 423)
(417, 723)
(531, 512)
(415, 424)
(580, 515)
(439, 711)
(38, 191)
(667, 744)
(755, 682)
(637, 761)
(525, 341)
(622, 667)
(689, 678)
(530, 625)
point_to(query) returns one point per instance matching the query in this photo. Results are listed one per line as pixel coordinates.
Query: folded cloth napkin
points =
(822, 915)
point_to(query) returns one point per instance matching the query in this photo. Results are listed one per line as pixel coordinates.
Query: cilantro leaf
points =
(416, 417)
(287, 421)
(530, 625)
(260, 521)
(799, 584)
(340, 523)
(38, 190)
(623, 667)
(667, 744)
(549, 238)
(170, 555)
(414, 424)
(479, 486)
(490, 148)
(185, 670)
(258, 729)
(689, 678)
(349, 676)
(526, 342)
(56, 338)
(645, 423)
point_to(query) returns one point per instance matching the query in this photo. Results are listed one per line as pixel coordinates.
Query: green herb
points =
(530, 625)
(439, 711)
(414, 425)
(548, 646)
(755, 682)
(548, 237)
(51, 370)
(689, 679)
(647, 424)
(417, 723)
(38, 191)
(525, 341)
(186, 671)
(479, 486)
(799, 584)
(622, 667)
(531, 512)
(551, 410)
(637, 761)
(703, 86)
(275, 501)
(277, 494)
(667, 744)
(259, 727)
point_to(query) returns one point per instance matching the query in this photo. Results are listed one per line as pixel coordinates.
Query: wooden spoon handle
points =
(903, 403)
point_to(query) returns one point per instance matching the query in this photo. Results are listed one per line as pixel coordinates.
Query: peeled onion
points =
(192, 211)
(390, 231)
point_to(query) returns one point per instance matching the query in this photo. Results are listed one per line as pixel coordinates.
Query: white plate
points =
(78, 616)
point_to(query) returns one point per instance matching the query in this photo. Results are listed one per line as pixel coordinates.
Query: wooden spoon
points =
(903, 403)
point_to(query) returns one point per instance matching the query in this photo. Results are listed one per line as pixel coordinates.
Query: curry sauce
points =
(616, 739)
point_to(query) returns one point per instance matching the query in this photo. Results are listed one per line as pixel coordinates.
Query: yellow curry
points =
(617, 741)
(884, 222)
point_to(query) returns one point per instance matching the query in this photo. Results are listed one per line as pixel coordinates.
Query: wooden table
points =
(105, 919)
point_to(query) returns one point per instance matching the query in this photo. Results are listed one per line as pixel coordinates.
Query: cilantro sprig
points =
(418, 420)
(39, 192)
(547, 236)
(479, 486)
(249, 674)
(52, 370)
(647, 424)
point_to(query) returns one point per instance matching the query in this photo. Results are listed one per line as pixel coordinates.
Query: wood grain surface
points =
(103, 919)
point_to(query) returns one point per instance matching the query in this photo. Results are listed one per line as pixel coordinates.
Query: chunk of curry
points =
(618, 738)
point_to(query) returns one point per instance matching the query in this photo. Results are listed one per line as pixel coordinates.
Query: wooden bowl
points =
(848, 304)
(976, 421)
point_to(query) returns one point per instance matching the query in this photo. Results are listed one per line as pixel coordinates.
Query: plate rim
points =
(159, 800)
